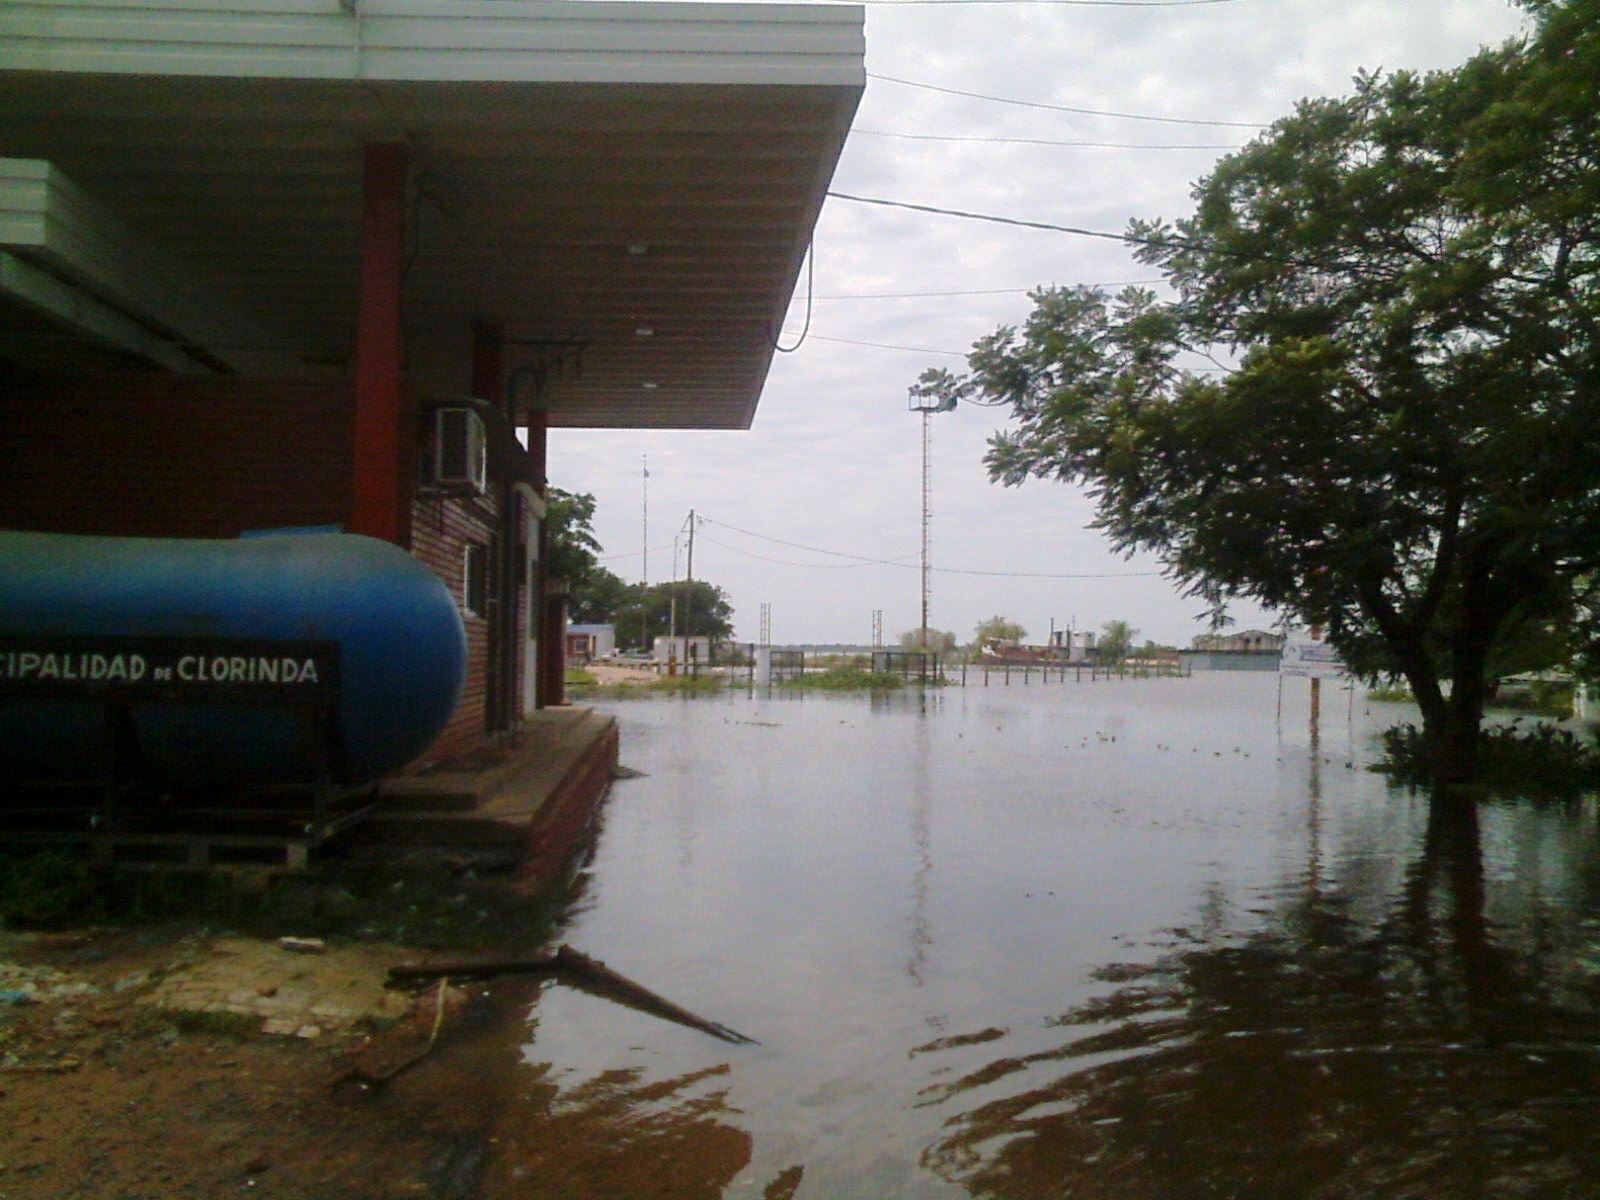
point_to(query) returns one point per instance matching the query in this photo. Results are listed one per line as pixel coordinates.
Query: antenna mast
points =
(927, 401)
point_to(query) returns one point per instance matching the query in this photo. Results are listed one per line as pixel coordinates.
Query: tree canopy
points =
(702, 610)
(1395, 430)
(1116, 641)
(940, 641)
(997, 629)
(573, 548)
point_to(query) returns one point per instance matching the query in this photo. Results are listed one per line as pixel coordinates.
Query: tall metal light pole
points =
(644, 542)
(925, 401)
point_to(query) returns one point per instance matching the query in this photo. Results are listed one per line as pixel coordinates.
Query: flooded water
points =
(1128, 939)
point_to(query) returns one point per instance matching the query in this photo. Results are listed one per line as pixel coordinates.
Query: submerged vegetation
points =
(847, 679)
(1548, 698)
(671, 685)
(1515, 760)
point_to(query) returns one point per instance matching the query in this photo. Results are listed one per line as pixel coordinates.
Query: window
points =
(475, 580)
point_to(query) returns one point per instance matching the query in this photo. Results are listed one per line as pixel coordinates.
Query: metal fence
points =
(908, 664)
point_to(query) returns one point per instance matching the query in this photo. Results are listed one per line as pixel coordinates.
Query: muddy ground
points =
(178, 1063)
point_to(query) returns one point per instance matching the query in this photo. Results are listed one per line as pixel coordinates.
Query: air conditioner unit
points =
(460, 458)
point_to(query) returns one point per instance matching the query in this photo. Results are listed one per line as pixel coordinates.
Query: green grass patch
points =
(1550, 698)
(1391, 693)
(668, 685)
(847, 679)
(575, 677)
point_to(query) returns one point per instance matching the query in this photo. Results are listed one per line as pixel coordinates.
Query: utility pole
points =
(644, 543)
(688, 593)
(877, 629)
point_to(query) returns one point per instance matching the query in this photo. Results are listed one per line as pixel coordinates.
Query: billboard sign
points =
(1303, 658)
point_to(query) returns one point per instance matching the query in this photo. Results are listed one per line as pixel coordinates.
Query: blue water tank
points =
(266, 660)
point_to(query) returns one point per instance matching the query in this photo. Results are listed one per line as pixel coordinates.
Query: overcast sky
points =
(833, 461)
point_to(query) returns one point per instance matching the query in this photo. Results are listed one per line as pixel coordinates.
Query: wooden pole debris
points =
(582, 969)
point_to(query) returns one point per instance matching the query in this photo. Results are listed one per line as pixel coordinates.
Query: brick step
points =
(428, 795)
(444, 829)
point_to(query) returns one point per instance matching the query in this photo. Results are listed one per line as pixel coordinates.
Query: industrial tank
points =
(268, 660)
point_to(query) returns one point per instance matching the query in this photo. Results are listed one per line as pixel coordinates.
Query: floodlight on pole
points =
(927, 401)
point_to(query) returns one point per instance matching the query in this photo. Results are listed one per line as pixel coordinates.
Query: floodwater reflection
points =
(1137, 940)
(1319, 1056)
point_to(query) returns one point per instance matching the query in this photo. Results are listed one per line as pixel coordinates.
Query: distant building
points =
(588, 642)
(1078, 645)
(1251, 641)
(1251, 650)
(682, 650)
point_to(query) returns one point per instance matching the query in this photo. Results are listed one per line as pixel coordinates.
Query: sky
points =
(832, 466)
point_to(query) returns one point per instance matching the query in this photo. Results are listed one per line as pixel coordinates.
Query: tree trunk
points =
(1454, 744)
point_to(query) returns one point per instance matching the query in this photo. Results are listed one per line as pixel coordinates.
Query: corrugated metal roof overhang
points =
(627, 188)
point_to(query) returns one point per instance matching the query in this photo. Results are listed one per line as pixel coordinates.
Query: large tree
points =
(596, 599)
(1398, 436)
(934, 641)
(1116, 641)
(573, 547)
(996, 629)
(699, 609)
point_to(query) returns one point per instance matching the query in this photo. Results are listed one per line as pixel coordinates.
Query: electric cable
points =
(791, 562)
(887, 562)
(811, 282)
(1065, 3)
(1014, 291)
(1027, 141)
(1069, 108)
(1127, 239)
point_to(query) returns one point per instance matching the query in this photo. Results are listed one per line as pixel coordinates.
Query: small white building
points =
(589, 642)
(682, 650)
(1079, 644)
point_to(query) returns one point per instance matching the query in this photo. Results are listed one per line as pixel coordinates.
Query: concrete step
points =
(429, 795)
(445, 829)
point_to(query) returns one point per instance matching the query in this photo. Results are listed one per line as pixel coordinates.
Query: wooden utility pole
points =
(688, 594)
(1316, 693)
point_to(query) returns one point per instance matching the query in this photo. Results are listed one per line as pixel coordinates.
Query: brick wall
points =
(441, 529)
(157, 456)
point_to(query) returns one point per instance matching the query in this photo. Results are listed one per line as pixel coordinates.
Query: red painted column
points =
(377, 507)
(488, 362)
(550, 670)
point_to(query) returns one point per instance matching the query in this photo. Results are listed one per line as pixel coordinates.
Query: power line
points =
(791, 562)
(887, 346)
(1085, 112)
(964, 354)
(860, 559)
(1066, 3)
(632, 553)
(1127, 239)
(1025, 141)
(1015, 291)
(994, 220)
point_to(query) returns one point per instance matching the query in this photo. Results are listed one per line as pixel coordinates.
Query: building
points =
(588, 642)
(682, 651)
(1251, 641)
(1076, 645)
(277, 264)
(1251, 650)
